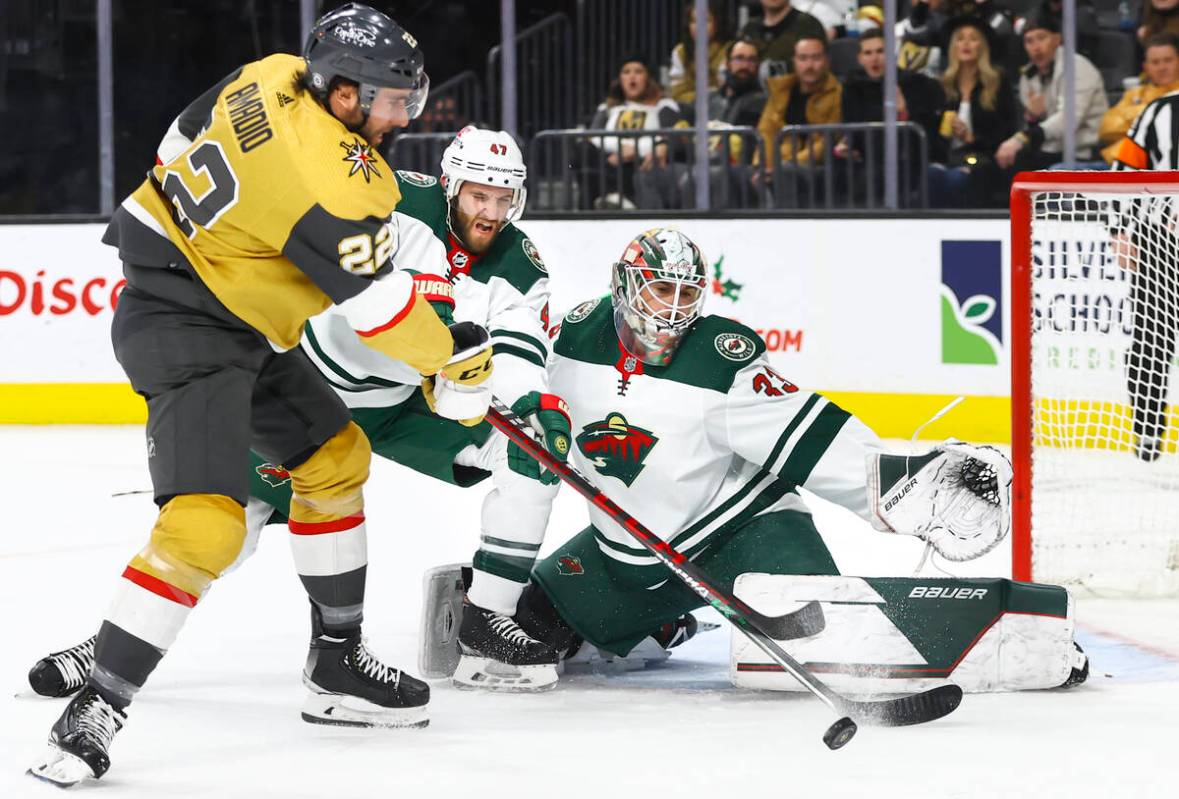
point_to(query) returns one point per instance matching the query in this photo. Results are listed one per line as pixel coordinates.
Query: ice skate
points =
(350, 687)
(497, 655)
(63, 673)
(79, 743)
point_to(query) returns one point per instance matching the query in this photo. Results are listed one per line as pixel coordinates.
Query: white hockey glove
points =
(461, 390)
(957, 497)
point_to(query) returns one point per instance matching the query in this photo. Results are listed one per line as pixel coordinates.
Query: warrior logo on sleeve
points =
(615, 447)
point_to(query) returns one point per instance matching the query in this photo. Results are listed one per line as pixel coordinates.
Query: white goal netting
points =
(1104, 439)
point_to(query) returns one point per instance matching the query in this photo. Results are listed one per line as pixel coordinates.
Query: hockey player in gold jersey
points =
(269, 203)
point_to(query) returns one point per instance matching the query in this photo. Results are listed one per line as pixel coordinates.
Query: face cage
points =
(653, 335)
(415, 103)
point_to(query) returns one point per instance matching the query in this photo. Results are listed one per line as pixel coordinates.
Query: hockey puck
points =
(839, 733)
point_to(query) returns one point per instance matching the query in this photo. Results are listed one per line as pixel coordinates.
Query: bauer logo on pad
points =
(972, 302)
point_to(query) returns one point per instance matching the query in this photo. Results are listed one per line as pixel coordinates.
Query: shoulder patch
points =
(361, 159)
(533, 255)
(416, 178)
(735, 346)
(582, 311)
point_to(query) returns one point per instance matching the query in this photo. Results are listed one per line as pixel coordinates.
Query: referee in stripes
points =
(1148, 237)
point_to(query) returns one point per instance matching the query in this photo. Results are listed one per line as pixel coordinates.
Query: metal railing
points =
(453, 104)
(544, 62)
(419, 152)
(842, 166)
(609, 30)
(570, 170)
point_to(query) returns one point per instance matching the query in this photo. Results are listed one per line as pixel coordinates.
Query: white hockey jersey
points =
(707, 442)
(505, 289)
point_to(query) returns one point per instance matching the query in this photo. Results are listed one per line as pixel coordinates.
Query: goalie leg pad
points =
(902, 635)
(443, 590)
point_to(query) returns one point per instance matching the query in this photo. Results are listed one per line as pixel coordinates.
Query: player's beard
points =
(477, 241)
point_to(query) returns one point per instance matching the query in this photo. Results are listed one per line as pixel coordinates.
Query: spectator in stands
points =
(919, 97)
(738, 102)
(919, 100)
(1161, 67)
(635, 102)
(1158, 16)
(811, 95)
(922, 35)
(740, 98)
(980, 113)
(1041, 90)
(682, 73)
(776, 33)
(1088, 28)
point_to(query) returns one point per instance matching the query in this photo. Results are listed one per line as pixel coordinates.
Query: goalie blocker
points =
(907, 634)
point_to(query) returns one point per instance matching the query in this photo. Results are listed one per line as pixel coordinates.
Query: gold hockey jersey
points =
(280, 209)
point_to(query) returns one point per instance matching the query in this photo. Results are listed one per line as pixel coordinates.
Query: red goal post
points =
(1082, 421)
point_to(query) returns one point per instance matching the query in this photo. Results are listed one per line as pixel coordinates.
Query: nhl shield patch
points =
(416, 178)
(582, 311)
(735, 346)
(534, 255)
(570, 565)
(615, 447)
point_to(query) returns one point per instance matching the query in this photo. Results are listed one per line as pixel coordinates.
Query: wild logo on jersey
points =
(615, 447)
(570, 565)
(273, 474)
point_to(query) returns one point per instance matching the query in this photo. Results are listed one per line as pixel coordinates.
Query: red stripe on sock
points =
(159, 587)
(319, 528)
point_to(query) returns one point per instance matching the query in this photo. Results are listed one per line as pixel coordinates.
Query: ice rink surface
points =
(220, 717)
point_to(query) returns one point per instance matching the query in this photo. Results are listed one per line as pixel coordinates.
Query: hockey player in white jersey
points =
(500, 282)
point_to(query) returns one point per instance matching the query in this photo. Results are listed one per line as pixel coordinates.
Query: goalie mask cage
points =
(1094, 317)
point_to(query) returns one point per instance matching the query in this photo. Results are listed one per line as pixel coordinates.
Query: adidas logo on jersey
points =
(283, 99)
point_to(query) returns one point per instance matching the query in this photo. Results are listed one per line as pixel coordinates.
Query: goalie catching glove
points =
(461, 391)
(548, 415)
(957, 497)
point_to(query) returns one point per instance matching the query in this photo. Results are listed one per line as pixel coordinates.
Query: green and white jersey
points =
(506, 289)
(705, 443)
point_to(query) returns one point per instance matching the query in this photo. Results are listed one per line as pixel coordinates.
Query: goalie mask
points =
(487, 157)
(363, 45)
(658, 291)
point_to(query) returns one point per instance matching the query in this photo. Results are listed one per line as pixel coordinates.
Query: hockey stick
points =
(901, 711)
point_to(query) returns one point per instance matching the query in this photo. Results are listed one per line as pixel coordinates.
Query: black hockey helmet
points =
(363, 45)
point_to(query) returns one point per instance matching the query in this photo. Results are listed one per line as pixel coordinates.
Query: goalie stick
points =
(901, 711)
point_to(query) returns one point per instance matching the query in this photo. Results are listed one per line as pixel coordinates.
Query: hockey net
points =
(1094, 440)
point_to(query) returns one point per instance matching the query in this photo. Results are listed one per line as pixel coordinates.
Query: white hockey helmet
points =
(488, 157)
(658, 289)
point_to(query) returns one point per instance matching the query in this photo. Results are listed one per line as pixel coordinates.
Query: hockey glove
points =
(548, 415)
(461, 391)
(957, 497)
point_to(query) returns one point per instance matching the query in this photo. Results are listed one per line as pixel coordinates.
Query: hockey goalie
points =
(679, 418)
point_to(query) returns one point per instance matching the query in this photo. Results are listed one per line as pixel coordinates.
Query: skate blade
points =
(484, 674)
(351, 711)
(60, 768)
